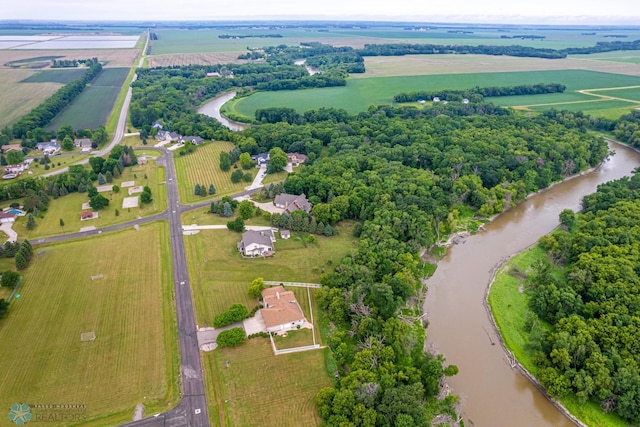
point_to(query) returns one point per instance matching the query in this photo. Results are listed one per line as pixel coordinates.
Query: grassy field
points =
(203, 167)
(359, 94)
(69, 207)
(510, 309)
(19, 98)
(94, 105)
(134, 358)
(220, 277)
(261, 389)
(629, 93)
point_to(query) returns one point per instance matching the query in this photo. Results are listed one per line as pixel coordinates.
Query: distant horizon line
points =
(509, 20)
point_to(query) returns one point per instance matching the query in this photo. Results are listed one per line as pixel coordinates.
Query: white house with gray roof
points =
(257, 243)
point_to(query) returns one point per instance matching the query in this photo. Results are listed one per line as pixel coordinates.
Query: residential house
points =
(83, 143)
(172, 136)
(281, 310)
(214, 74)
(465, 101)
(19, 168)
(8, 217)
(85, 215)
(257, 243)
(261, 159)
(157, 124)
(11, 147)
(296, 158)
(291, 203)
(48, 148)
(195, 140)
(161, 135)
(436, 99)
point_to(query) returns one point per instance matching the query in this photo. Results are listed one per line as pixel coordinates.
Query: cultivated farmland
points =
(19, 98)
(69, 207)
(62, 76)
(133, 358)
(203, 167)
(110, 57)
(359, 94)
(92, 107)
(194, 58)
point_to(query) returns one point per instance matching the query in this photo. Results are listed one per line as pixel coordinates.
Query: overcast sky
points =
(491, 11)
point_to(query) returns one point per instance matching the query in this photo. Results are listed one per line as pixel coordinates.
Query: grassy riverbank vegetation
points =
(575, 327)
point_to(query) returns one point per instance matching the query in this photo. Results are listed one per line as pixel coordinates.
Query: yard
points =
(134, 357)
(220, 277)
(203, 167)
(69, 207)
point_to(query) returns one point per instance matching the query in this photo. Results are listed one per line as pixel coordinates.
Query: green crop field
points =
(203, 167)
(598, 108)
(93, 106)
(630, 94)
(221, 277)
(62, 75)
(359, 94)
(134, 357)
(69, 207)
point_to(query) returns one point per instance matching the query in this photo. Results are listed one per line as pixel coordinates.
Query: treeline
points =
(627, 128)
(249, 36)
(72, 63)
(405, 175)
(593, 348)
(42, 115)
(477, 94)
(323, 57)
(400, 49)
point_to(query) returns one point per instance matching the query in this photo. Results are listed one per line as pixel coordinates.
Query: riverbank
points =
(506, 303)
(212, 108)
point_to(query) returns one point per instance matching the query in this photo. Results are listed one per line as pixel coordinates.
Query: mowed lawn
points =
(69, 207)
(360, 93)
(259, 388)
(92, 107)
(203, 167)
(134, 358)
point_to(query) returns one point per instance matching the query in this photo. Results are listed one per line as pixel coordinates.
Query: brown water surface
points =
(493, 394)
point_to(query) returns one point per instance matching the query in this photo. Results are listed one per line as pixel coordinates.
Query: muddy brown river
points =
(492, 393)
(212, 109)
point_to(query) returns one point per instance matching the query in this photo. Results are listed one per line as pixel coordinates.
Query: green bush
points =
(231, 338)
(259, 335)
(235, 313)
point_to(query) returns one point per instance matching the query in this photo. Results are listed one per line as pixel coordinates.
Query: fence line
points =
(297, 284)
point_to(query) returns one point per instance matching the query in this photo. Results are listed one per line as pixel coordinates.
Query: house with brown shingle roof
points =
(291, 202)
(281, 310)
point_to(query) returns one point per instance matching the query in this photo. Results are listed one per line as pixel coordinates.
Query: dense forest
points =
(42, 115)
(477, 94)
(405, 175)
(593, 348)
(627, 128)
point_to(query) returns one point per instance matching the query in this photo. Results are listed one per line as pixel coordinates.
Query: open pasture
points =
(359, 94)
(203, 167)
(69, 207)
(19, 98)
(94, 105)
(134, 356)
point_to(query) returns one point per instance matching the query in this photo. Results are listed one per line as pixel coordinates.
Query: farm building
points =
(291, 202)
(281, 310)
(296, 158)
(256, 243)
